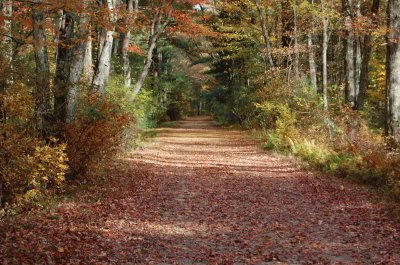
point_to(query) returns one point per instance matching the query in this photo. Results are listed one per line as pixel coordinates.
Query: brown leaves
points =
(207, 195)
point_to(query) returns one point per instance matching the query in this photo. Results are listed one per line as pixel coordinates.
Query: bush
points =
(29, 167)
(97, 132)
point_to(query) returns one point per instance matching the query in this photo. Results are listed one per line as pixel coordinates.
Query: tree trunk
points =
(70, 64)
(393, 71)
(132, 6)
(152, 45)
(296, 44)
(103, 65)
(7, 48)
(42, 92)
(77, 64)
(313, 65)
(64, 57)
(367, 49)
(358, 58)
(265, 33)
(88, 61)
(325, 40)
(350, 93)
(287, 30)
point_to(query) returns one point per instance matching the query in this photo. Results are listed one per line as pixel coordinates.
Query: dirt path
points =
(210, 196)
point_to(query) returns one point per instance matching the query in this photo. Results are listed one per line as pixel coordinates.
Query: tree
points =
(325, 40)
(103, 65)
(133, 9)
(366, 56)
(265, 33)
(160, 21)
(393, 71)
(72, 46)
(350, 93)
(42, 92)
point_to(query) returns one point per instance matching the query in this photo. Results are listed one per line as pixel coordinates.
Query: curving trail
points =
(209, 195)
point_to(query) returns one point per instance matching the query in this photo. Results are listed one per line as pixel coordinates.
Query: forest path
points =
(209, 195)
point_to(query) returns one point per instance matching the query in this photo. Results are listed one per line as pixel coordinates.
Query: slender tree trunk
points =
(358, 58)
(103, 66)
(77, 64)
(296, 44)
(42, 92)
(313, 65)
(7, 48)
(63, 66)
(350, 93)
(367, 50)
(393, 70)
(88, 71)
(132, 6)
(152, 45)
(265, 33)
(357, 63)
(70, 62)
(325, 40)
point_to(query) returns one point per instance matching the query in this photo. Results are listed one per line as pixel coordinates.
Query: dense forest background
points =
(81, 80)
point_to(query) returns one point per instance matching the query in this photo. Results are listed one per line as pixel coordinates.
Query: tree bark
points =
(296, 44)
(132, 7)
(77, 64)
(325, 40)
(42, 92)
(313, 65)
(393, 70)
(265, 33)
(350, 92)
(63, 66)
(367, 50)
(160, 27)
(7, 10)
(70, 63)
(88, 71)
(103, 65)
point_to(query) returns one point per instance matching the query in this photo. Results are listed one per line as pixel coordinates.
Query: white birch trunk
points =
(103, 66)
(325, 40)
(393, 71)
(313, 65)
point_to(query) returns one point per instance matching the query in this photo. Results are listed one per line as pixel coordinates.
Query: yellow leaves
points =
(29, 167)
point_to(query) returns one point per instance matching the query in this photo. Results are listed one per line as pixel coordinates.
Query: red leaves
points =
(136, 49)
(208, 195)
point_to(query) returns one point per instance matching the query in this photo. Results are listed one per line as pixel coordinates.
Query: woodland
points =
(83, 83)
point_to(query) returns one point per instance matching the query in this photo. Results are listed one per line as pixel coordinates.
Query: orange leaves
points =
(185, 22)
(136, 49)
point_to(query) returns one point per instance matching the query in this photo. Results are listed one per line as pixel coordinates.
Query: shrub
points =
(29, 167)
(97, 132)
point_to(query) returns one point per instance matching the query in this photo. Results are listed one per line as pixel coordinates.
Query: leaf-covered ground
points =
(200, 194)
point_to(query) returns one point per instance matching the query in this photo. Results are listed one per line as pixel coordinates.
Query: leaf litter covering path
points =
(208, 195)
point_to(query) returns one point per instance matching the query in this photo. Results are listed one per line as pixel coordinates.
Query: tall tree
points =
(133, 9)
(159, 23)
(42, 92)
(393, 70)
(311, 57)
(73, 41)
(265, 32)
(349, 48)
(325, 41)
(103, 65)
(367, 50)
(6, 43)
